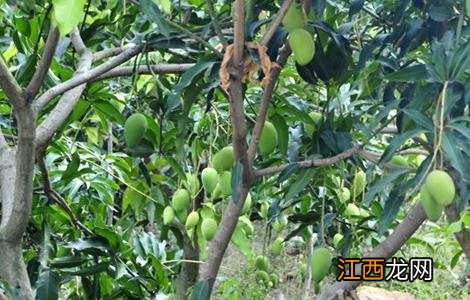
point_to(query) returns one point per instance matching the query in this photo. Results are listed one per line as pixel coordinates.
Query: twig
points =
(43, 67)
(106, 53)
(11, 87)
(144, 69)
(55, 197)
(277, 21)
(311, 163)
(215, 23)
(266, 101)
(86, 77)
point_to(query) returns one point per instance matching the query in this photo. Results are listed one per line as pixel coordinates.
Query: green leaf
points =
(153, 13)
(107, 109)
(176, 167)
(47, 285)
(68, 14)
(413, 73)
(242, 242)
(380, 185)
(282, 131)
(392, 207)
(397, 142)
(72, 168)
(201, 290)
(67, 262)
(455, 259)
(299, 185)
(94, 269)
(287, 172)
(236, 179)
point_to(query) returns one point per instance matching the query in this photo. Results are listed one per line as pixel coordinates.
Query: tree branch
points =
(144, 69)
(463, 236)
(229, 220)
(266, 101)
(55, 197)
(215, 23)
(106, 53)
(276, 22)
(85, 77)
(11, 87)
(49, 49)
(385, 249)
(311, 163)
(67, 102)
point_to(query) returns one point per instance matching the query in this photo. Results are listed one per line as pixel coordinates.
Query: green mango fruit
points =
(210, 178)
(432, 209)
(262, 263)
(217, 193)
(192, 183)
(321, 263)
(352, 210)
(359, 183)
(180, 200)
(344, 194)
(280, 223)
(338, 240)
(399, 161)
(295, 17)
(277, 245)
(208, 228)
(262, 276)
(247, 205)
(274, 280)
(134, 129)
(309, 128)
(223, 160)
(168, 215)
(264, 210)
(301, 43)
(192, 220)
(225, 183)
(441, 187)
(268, 139)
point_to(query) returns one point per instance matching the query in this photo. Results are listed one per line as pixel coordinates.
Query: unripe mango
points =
(193, 184)
(192, 220)
(210, 178)
(301, 43)
(225, 183)
(217, 193)
(432, 209)
(274, 280)
(247, 205)
(321, 263)
(280, 223)
(134, 129)
(262, 276)
(262, 263)
(168, 215)
(208, 228)
(268, 139)
(441, 187)
(344, 194)
(338, 240)
(309, 128)
(206, 212)
(181, 215)
(180, 200)
(264, 210)
(359, 183)
(277, 245)
(352, 210)
(295, 17)
(399, 161)
(223, 160)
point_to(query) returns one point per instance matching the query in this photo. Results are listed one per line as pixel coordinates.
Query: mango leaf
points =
(107, 109)
(243, 243)
(391, 208)
(413, 73)
(94, 269)
(68, 14)
(299, 185)
(397, 142)
(72, 168)
(201, 290)
(282, 131)
(47, 286)
(67, 262)
(380, 185)
(287, 172)
(153, 13)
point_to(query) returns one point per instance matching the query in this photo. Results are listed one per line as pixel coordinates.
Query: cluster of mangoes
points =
(437, 192)
(300, 39)
(262, 268)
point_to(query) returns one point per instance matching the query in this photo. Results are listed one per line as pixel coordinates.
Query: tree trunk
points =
(189, 270)
(13, 269)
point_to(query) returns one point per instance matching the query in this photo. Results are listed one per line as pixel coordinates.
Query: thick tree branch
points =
(10, 86)
(266, 101)
(385, 249)
(144, 69)
(67, 102)
(107, 53)
(49, 49)
(85, 77)
(311, 163)
(276, 22)
(230, 218)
